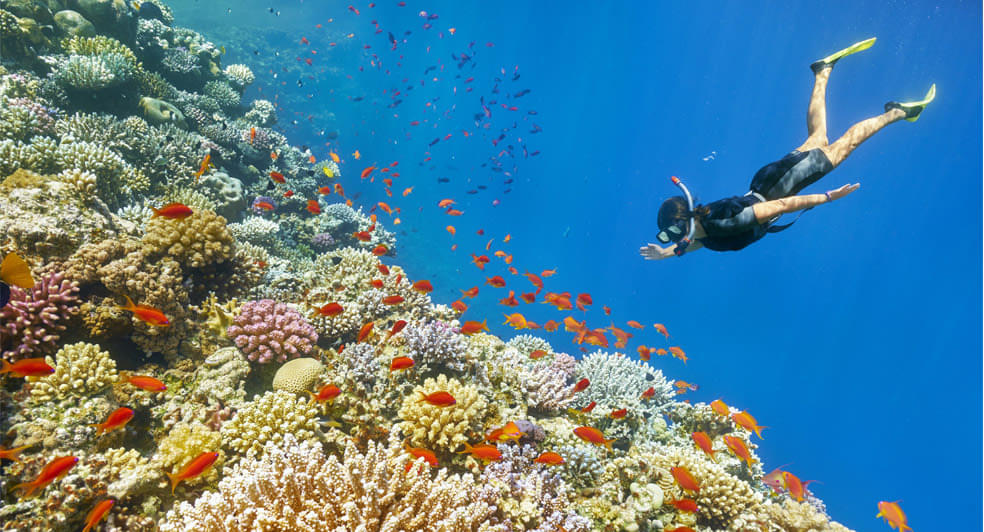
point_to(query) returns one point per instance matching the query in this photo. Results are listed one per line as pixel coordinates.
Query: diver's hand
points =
(842, 191)
(654, 252)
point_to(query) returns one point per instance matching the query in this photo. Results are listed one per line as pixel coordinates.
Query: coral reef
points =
(266, 331)
(270, 418)
(32, 320)
(446, 428)
(298, 375)
(80, 369)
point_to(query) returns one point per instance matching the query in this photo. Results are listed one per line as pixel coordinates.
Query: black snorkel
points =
(682, 244)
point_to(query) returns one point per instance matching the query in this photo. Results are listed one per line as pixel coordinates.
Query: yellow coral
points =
(183, 443)
(127, 471)
(269, 418)
(198, 240)
(298, 376)
(443, 427)
(792, 516)
(80, 369)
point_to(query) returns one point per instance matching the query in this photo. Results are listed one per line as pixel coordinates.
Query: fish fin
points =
(28, 487)
(129, 304)
(173, 477)
(157, 212)
(14, 270)
(7, 367)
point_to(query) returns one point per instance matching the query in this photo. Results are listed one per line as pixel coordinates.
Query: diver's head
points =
(674, 215)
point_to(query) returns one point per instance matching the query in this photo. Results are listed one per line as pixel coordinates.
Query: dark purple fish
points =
(435, 141)
(391, 37)
(443, 180)
(357, 99)
(534, 154)
(521, 93)
(472, 191)
(531, 112)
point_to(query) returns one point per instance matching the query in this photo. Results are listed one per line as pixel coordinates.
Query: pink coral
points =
(265, 330)
(31, 321)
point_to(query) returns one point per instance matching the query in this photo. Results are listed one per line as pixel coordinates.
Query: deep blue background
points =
(855, 336)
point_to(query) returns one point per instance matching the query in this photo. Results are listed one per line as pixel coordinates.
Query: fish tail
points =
(129, 304)
(28, 487)
(7, 367)
(101, 428)
(173, 477)
(468, 449)
(157, 212)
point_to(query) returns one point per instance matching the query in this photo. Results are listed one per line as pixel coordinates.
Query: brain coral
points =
(442, 428)
(295, 486)
(195, 241)
(31, 321)
(80, 369)
(270, 418)
(298, 376)
(266, 330)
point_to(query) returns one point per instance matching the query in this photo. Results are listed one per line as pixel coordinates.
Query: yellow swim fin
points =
(817, 66)
(913, 109)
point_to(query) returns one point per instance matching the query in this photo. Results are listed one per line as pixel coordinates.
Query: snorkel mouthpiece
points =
(681, 246)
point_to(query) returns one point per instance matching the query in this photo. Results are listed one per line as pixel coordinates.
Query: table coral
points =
(297, 487)
(443, 428)
(270, 417)
(31, 322)
(80, 369)
(266, 331)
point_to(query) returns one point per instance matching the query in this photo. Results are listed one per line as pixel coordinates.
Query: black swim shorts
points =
(791, 174)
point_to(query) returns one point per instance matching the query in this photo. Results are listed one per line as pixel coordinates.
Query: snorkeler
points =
(733, 223)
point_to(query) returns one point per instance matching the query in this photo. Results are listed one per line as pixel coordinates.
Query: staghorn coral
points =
(297, 487)
(435, 345)
(271, 417)
(266, 330)
(548, 385)
(298, 376)
(80, 369)
(443, 428)
(198, 240)
(31, 322)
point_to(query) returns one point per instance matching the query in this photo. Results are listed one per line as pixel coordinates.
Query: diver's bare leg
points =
(858, 133)
(816, 113)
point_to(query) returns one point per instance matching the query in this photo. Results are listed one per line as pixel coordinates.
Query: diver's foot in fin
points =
(829, 61)
(913, 109)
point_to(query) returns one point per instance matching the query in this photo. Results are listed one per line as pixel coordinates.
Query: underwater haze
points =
(854, 338)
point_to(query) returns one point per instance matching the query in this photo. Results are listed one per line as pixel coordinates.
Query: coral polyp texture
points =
(136, 165)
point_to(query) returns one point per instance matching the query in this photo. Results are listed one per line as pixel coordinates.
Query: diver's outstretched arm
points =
(768, 210)
(657, 252)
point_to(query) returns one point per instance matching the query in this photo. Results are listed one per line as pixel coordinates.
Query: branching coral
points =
(445, 428)
(296, 487)
(270, 418)
(32, 320)
(80, 369)
(195, 241)
(436, 345)
(182, 444)
(266, 330)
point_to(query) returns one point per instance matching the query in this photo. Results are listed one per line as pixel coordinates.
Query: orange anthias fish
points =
(383, 269)
(678, 353)
(380, 250)
(635, 325)
(510, 300)
(583, 300)
(537, 282)
(407, 191)
(515, 320)
(278, 177)
(393, 300)
(441, 399)
(265, 205)
(738, 448)
(551, 326)
(480, 261)
(97, 514)
(423, 286)
(483, 451)
(54, 470)
(649, 393)
(173, 211)
(538, 354)
(471, 327)
(893, 515)
(357, 155)
(148, 315)
(27, 367)
(206, 162)
(703, 442)
(330, 310)
(661, 352)
(193, 469)
(720, 408)
(420, 452)
(327, 392)
(117, 419)
(593, 436)
(684, 385)
(618, 414)
(364, 332)
(684, 505)
(582, 385)
(547, 273)
(795, 486)
(509, 431)
(149, 384)
(644, 352)
(459, 305)
(747, 422)
(401, 363)
(398, 326)
(445, 202)
(334, 157)
(773, 479)
(549, 458)
(12, 454)
(362, 236)
(661, 329)
(367, 171)
(528, 297)
(685, 479)
(589, 408)
(451, 229)
(313, 207)
(471, 292)
(252, 134)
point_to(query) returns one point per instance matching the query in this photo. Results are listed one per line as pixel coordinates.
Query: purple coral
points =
(265, 330)
(436, 343)
(322, 241)
(31, 321)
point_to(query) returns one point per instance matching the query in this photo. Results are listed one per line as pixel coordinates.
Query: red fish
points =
(393, 300)
(441, 398)
(459, 305)
(420, 452)
(423, 286)
(362, 236)
(747, 422)
(547, 273)
(661, 329)
(635, 325)
(401, 363)
(618, 414)
(685, 479)
(649, 393)
(206, 162)
(480, 261)
(581, 385)
(313, 207)
(364, 332)
(173, 211)
(12, 454)
(327, 392)
(27, 367)
(684, 505)
(538, 354)
(551, 326)
(397, 327)
(193, 469)
(146, 314)
(278, 177)
(97, 513)
(510, 300)
(483, 451)
(454, 212)
(367, 171)
(549, 458)
(471, 327)
(252, 134)
(116, 420)
(330, 310)
(893, 515)
(289, 194)
(380, 250)
(496, 281)
(265, 205)
(678, 353)
(593, 436)
(149, 384)
(471, 292)
(528, 297)
(509, 431)
(589, 408)
(703, 442)
(720, 408)
(54, 470)
(383, 269)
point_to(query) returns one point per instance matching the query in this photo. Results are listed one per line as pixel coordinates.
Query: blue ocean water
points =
(855, 336)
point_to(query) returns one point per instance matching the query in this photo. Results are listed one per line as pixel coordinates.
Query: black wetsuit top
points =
(731, 225)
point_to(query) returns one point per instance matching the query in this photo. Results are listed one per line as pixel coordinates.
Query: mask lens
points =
(663, 237)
